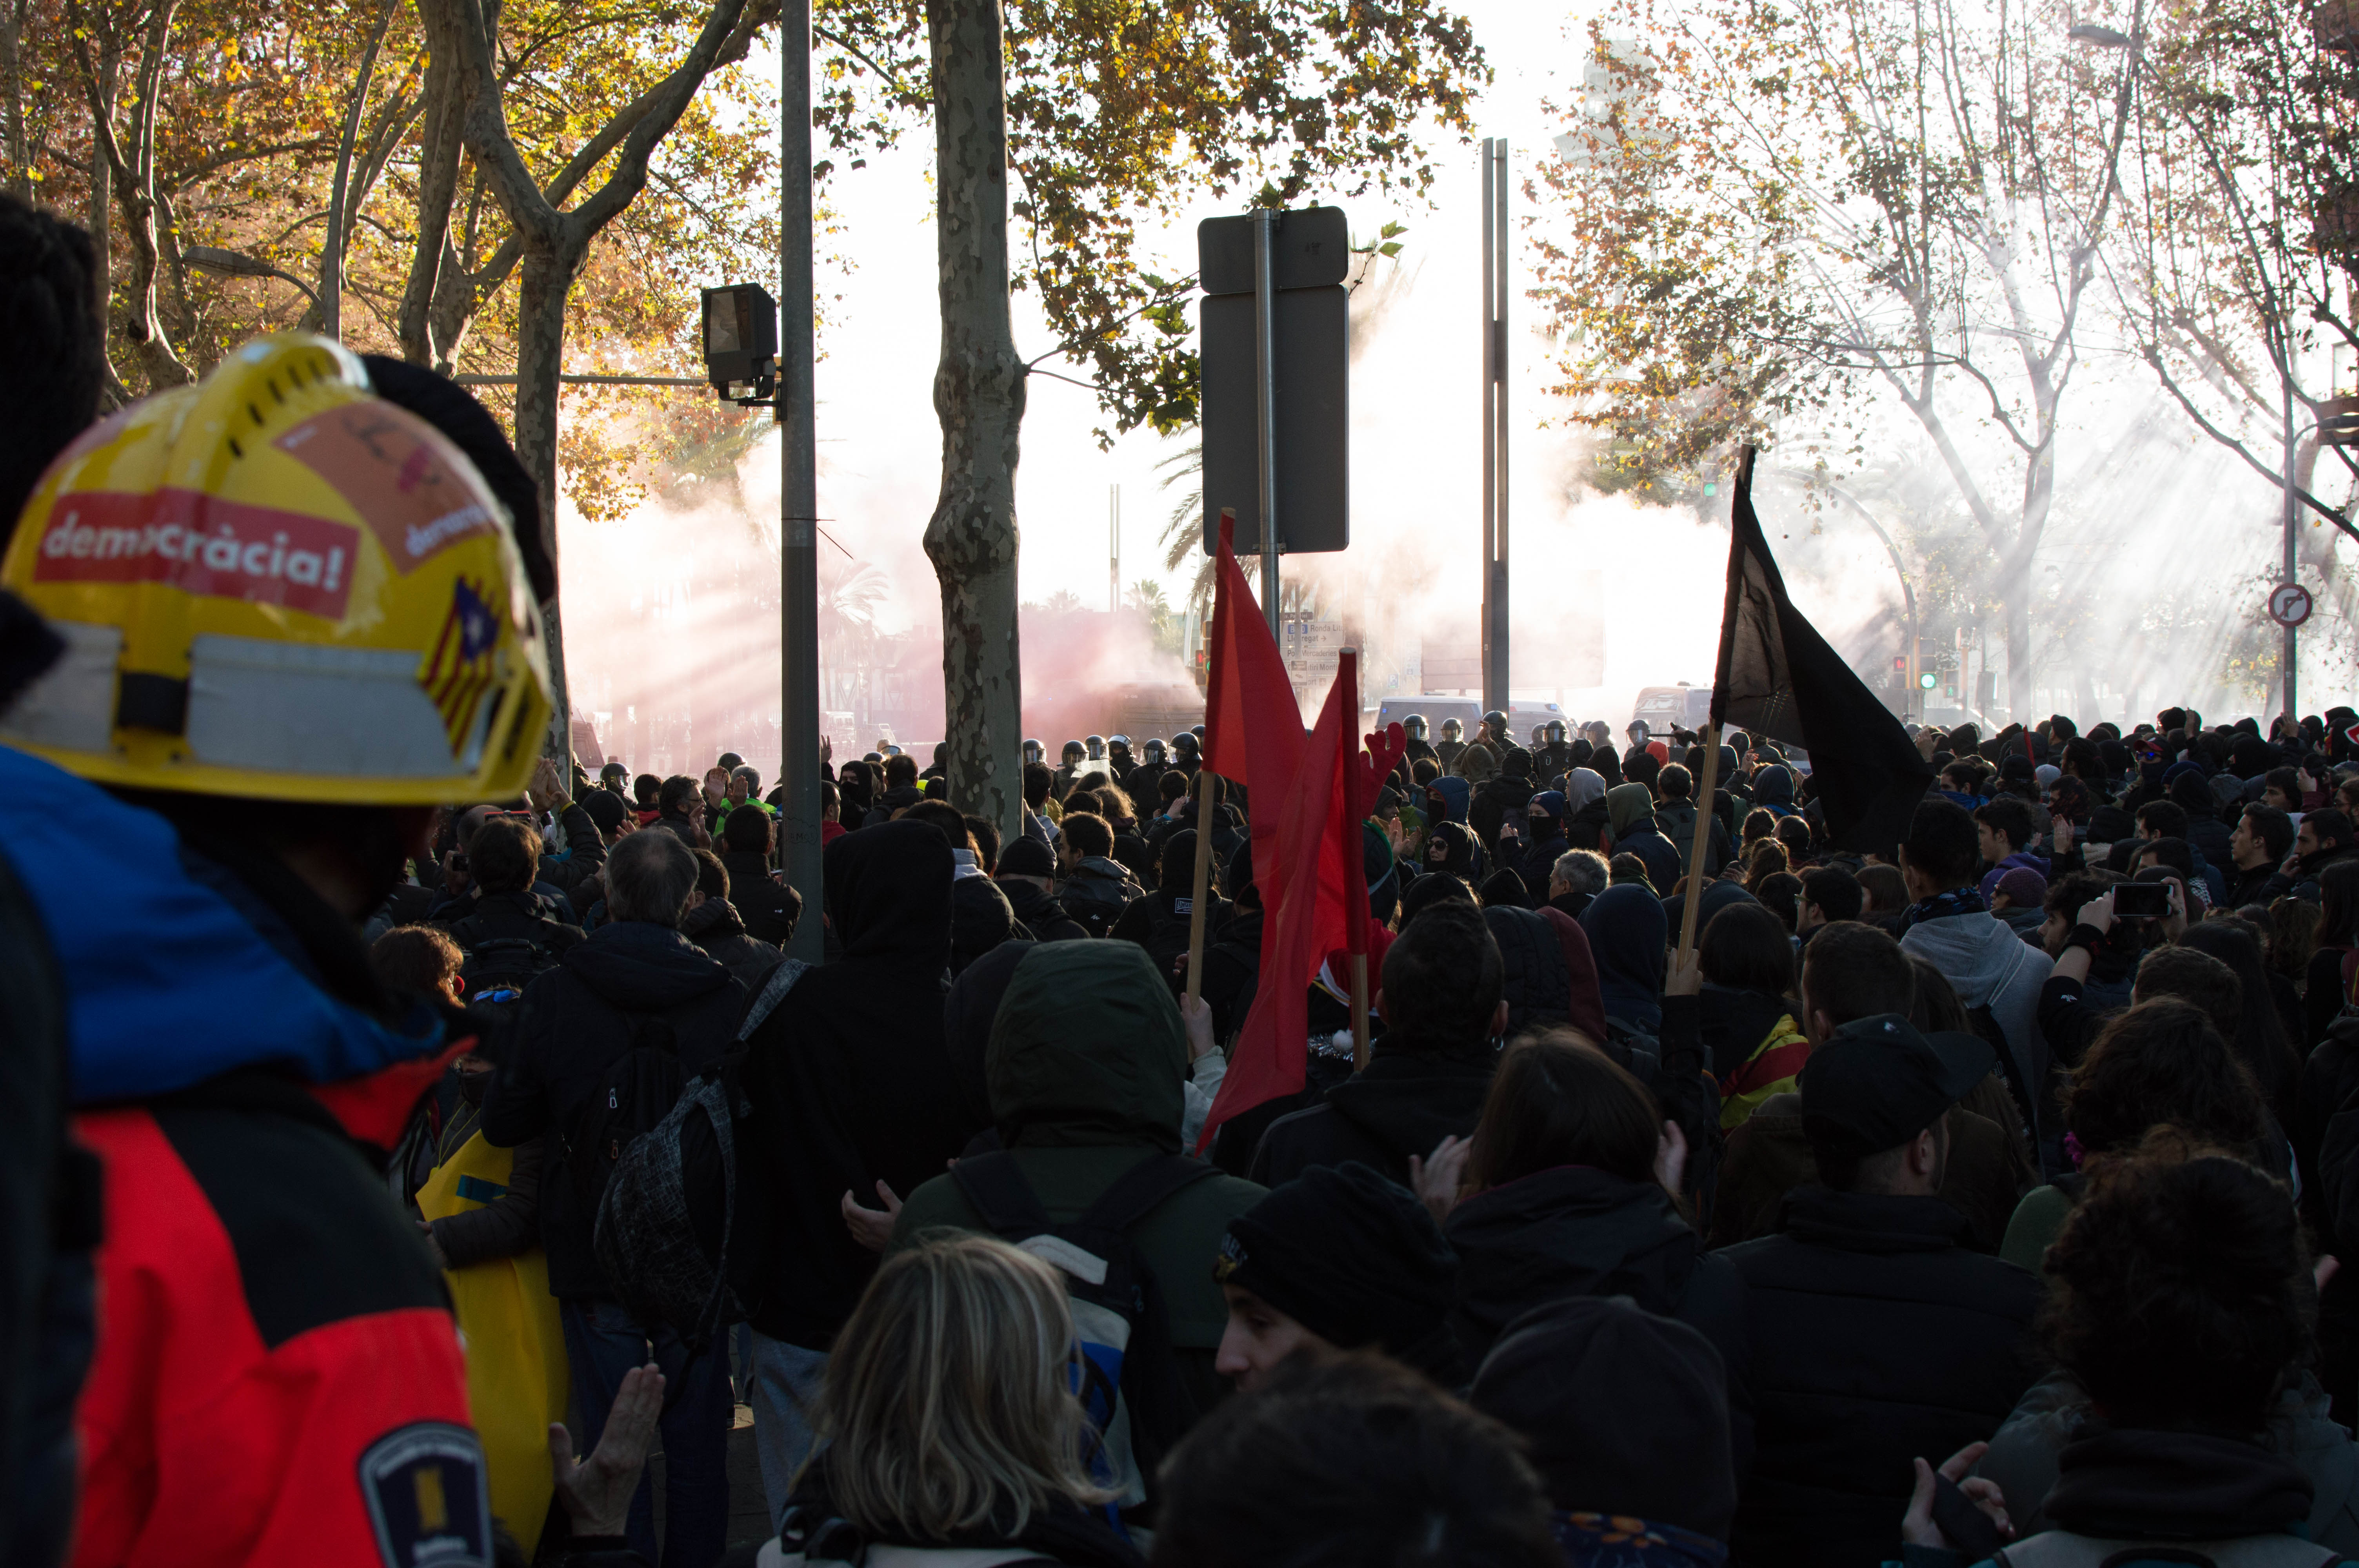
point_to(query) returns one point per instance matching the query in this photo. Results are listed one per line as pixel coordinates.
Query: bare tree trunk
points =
(12, 86)
(439, 148)
(547, 283)
(134, 176)
(979, 397)
(329, 306)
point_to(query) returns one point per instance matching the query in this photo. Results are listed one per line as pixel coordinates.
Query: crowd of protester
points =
(433, 1167)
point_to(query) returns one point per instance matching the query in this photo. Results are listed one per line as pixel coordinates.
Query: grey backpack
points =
(668, 1217)
(2062, 1549)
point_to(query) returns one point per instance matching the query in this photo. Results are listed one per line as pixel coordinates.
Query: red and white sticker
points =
(408, 483)
(201, 545)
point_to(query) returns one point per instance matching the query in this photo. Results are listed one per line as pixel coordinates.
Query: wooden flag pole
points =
(1704, 787)
(1203, 885)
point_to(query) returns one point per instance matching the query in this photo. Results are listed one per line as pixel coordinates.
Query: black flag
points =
(1777, 677)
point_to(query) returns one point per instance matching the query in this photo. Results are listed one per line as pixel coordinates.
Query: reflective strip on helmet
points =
(72, 706)
(297, 707)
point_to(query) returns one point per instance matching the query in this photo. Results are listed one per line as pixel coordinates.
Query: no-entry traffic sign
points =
(2290, 604)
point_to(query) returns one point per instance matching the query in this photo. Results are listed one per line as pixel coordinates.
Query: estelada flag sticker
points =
(459, 668)
(399, 473)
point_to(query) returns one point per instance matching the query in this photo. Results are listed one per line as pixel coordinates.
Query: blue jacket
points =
(169, 977)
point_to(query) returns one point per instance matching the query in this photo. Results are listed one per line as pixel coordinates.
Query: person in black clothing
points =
(635, 984)
(1431, 1068)
(1233, 963)
(1669, 1478)
(1159, 920)
(714, 925)
(1336, 1259)
(1875, 1334)
(2263, 839)
(2324, 840)
(851, 1074)
(679, 811)
(1027, 875)
(768, 907)
(1351, 1459)
(505, 860)
(1505, 795)
(1575, 1174)
(2180, 1307)
(1632, 810)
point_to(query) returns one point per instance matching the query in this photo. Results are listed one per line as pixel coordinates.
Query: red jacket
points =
(277, 1378)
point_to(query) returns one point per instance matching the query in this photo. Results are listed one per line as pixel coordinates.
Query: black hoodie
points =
(1405, 1102)
(850, 1078)
(1038, 911)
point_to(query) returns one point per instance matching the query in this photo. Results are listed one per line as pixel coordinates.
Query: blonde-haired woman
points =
(950, 1434)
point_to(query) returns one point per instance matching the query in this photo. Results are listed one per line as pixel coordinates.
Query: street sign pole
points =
(1265, 222)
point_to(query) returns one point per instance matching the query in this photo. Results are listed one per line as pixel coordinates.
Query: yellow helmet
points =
(274, 584)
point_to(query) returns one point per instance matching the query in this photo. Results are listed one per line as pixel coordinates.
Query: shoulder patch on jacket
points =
(427, 1498)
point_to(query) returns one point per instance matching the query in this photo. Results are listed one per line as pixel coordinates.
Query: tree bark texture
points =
(978, 398)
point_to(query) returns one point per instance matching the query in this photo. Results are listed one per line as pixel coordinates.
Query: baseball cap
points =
(1877, 1083)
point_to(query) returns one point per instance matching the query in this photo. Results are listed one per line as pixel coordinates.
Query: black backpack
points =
(633, 1094)
(1093, 905)
(1130, 1377)
(499, 968)
(1633, 1049)
(667, 1211)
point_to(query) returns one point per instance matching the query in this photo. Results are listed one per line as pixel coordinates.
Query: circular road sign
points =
(2290, 604)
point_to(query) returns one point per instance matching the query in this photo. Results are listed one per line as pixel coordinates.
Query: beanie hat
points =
(980, 919)
(1570, 1377)
(2024, 888)
(1353, 1258)
(1027, 858)
(606, 809)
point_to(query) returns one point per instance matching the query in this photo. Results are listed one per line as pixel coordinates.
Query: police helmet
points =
(1155, 752)
(1554, 731)
(1452, 730)
(1073, 752)
(1186, 744)
(1413, 727)
(1096, 744)
(1034, 751)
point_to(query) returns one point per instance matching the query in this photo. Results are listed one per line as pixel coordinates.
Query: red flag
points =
(1253, 728)
(1302, 891)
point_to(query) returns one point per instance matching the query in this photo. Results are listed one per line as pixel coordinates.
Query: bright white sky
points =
(1416, 431)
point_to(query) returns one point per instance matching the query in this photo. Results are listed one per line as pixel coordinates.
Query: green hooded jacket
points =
(1085, 1068)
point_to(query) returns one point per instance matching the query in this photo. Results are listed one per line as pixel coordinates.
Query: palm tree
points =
(1183, 531)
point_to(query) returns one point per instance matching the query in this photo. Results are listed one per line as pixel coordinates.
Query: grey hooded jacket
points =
(1994, 968)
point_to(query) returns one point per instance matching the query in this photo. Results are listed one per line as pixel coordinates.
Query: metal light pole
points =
(1495, 423)
(2292, 564)
(1264, 222)
(798, 759)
